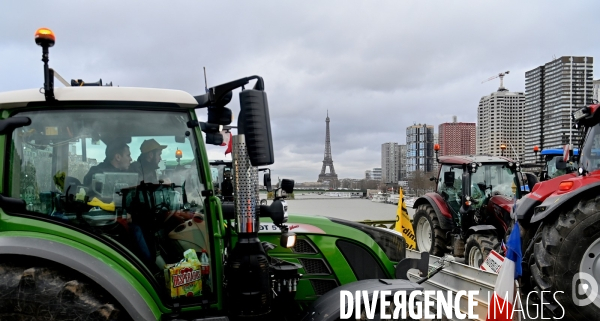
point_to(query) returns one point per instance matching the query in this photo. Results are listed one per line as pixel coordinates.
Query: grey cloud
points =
(376, 66)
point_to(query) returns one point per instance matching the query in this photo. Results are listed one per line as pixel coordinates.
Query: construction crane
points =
(501, 76)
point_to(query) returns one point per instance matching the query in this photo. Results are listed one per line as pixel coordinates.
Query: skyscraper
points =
(553, 91)
(457, 138)
(391, 162)
(402, 163)
(419, 148)
(500, 122)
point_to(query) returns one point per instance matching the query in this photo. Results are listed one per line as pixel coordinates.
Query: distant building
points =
(500, 122)
(419, 148)
(402, 163)
(376, 174)
(457, 138)
(390, 163)
(596, 89)
(368, 174)
(553, 91)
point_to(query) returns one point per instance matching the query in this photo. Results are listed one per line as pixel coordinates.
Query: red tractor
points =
(561, 231)
(470, 211)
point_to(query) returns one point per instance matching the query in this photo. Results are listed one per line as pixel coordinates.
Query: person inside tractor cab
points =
(118, 159)
(147, 163)
(478, 188)
(451, 192)
(227, 186)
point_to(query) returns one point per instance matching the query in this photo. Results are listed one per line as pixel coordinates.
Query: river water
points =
(352, 209)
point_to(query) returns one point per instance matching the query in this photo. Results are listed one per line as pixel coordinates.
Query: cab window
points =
(130, 177)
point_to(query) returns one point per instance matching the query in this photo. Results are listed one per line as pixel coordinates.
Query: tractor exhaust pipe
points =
(245, 187)
(248, 266)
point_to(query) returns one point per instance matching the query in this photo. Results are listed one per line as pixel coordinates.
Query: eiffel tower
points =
(328, 161)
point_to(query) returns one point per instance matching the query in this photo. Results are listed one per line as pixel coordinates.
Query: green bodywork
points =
(340, 271)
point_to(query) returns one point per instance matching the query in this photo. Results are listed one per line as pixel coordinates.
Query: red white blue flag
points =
(501, 303)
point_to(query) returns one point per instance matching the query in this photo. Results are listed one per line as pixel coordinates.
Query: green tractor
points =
(85, 234)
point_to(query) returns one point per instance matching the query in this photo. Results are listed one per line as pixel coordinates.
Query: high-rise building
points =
(376, 174)
(596, 89)
(402, 163)
(553, 92)
(419, 148)
(368, 174)
(457, 138)
(390, 163)
(500, 122)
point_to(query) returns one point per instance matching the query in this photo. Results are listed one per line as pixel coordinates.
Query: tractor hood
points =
(567, 188)
(541, 191)
(392, 243)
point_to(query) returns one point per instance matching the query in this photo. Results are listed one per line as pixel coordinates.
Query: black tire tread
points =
(556, 255)
(485, 242)
(49, 293)
(439, 241)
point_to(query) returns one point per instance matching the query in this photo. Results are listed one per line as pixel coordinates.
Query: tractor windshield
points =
(590, 154)
(493, 179)
(128, 174)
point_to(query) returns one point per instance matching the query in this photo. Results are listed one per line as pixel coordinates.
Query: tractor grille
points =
(315, 266)
(323, 286)
(304, 246)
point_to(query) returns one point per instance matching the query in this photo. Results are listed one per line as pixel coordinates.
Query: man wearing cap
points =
(147, 164)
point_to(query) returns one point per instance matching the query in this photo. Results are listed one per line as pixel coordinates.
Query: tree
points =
(420, 182)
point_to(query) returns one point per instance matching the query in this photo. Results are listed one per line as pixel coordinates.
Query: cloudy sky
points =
(376, 66)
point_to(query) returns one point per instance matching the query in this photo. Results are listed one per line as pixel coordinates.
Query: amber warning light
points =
(436, 147)
(178, 154)
(45, 36)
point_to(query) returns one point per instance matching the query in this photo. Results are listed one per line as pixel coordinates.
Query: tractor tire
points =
(559, 253)
(36, 291)
(428, 231)
(478, 247)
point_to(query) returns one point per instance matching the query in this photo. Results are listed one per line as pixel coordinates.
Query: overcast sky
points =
(377, 66)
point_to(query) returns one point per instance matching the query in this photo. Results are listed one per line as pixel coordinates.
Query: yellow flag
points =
(403, 224)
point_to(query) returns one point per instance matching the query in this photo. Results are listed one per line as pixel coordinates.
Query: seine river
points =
(352, 209)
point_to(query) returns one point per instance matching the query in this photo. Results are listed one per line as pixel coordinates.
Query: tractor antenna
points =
(205, 83)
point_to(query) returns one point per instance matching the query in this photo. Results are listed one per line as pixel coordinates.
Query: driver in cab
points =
(118, 158)
(147, 163)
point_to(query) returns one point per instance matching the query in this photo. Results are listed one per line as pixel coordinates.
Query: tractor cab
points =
(471, 209)
(554, 164)
(468, 183)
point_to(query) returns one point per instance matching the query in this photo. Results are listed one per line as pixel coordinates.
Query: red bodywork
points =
(439, 201)
(543, 190)
(500, 207)
(578, 181)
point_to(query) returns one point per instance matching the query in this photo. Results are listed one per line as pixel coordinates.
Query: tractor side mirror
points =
(560, 164)
(219, 115)
(267, 182)
(255, 123)
(449, 179)
(287, 185)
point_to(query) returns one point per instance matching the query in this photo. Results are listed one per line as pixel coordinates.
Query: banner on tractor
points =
(403, 224)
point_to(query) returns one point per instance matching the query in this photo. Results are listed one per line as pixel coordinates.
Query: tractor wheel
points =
(478, 247)
(564, 247)
(429, 235)
(46, 292)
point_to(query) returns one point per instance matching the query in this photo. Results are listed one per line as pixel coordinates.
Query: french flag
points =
(501, 304)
